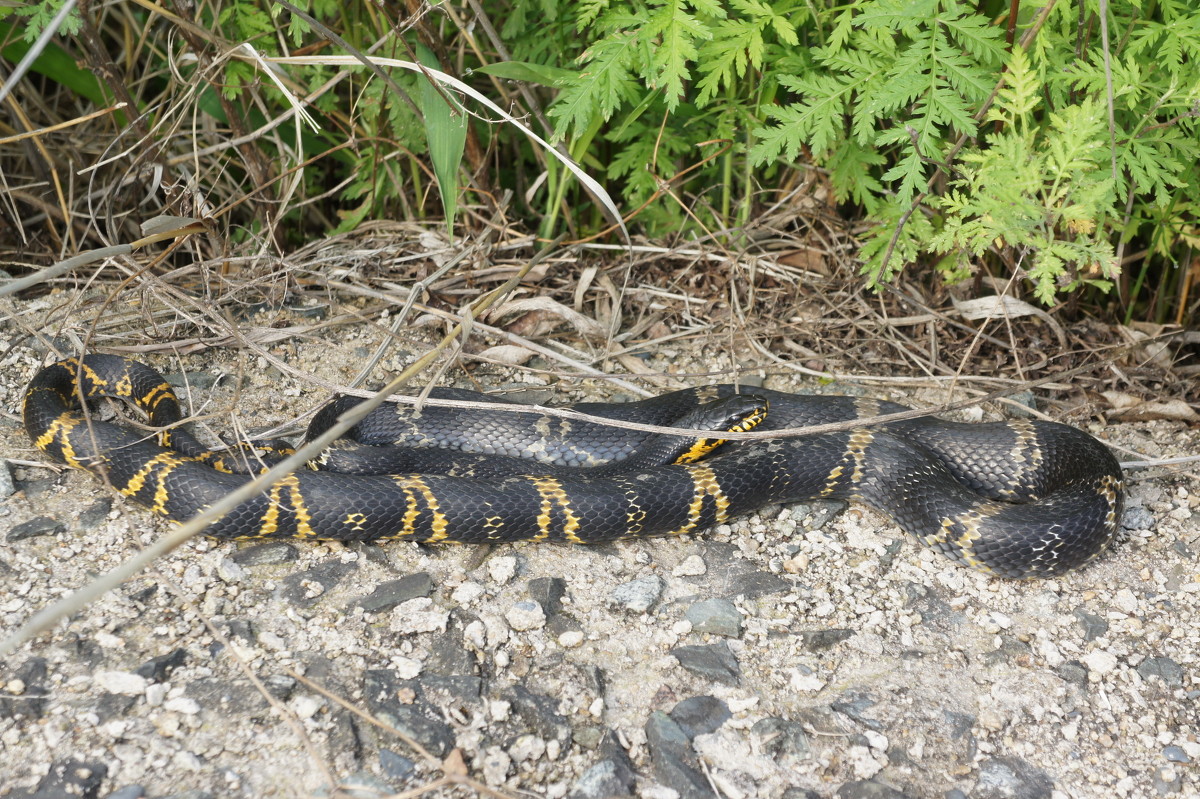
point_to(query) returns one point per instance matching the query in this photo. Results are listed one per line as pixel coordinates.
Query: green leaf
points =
(55, 63)
(541, 74)
(446, 134)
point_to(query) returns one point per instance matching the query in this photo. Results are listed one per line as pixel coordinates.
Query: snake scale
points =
(1017, 499)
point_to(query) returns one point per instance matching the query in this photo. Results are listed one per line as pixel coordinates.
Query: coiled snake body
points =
(1017, 499)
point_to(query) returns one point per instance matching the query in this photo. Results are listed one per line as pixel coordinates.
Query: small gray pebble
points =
(700, 715)
(869, 789)
(7, 487)
(639, 595)
(712, 661)
(266, 554)
(1136, 517)
(1175, 754)
(1165, 669)
(396, 592)
(39, 526)
(715, 616)
(1011, 778)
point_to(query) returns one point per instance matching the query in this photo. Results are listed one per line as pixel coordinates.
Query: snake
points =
(1021, 499)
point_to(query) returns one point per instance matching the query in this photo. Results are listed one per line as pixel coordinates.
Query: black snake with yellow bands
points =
(1016, 499)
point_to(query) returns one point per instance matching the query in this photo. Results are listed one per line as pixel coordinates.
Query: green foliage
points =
(1043, 184)
(1041, 192)
(39, 15)
(959, 151)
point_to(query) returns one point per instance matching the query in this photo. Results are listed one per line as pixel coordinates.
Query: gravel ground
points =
(805, 651)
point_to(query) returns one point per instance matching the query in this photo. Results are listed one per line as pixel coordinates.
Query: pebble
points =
(715, 616)
(502, 568)
(783, 739)
(691, 566)
(128, 792)
(1175, 754)
(548, 592)
(36, 527)
(604, 780)
(700, 715)
(1137, 517)
(526, 615)
(230, 571)
(710, 661)
(638, 596)
(672, 759)
(395, 767)
(94, 514)
(396, 592)
(1011, 778)
(869, 789)
(418, 615)
(74, 778)
(1099, 663)
(1163, 668)
(1093, 626)
(539, 714)
(305, 589)
(159, 669)
(570, 639)
(7, 487)
(121, 682)
(267, 554)
(818, 640)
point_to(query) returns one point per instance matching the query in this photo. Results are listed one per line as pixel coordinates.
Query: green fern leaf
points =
(601, 86)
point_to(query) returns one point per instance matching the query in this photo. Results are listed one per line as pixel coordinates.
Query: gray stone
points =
(1073, 672)
(869, 789)
(1136, 517)
(604, 780)
(31, 704)
(266, 554)
(159, 668)
(548, 592)
(37, 526)
(307, 588)
(7, 486)
(94, 514)
(1164, 668)
(540, 715)
(1175, 754)
(638, 596)
(75, 778)
(711, 661)
(1093, 626)
(672, 759)
(700, 715)
(817, 640)
(395, 592)
(716, 617)
(396, 767)
(855, 706)
(783, 739)
(128, 792)
(1011, 778)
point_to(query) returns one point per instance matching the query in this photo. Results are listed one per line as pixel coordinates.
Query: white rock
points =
(418, 615)
(1126, 601)
(691, 566)
(306, 705)
(406, 668)
(466, 593)
(570, 639)
(121, 682)
(526, 615)
(1099, 663)
(182, 704)
(502, 569)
